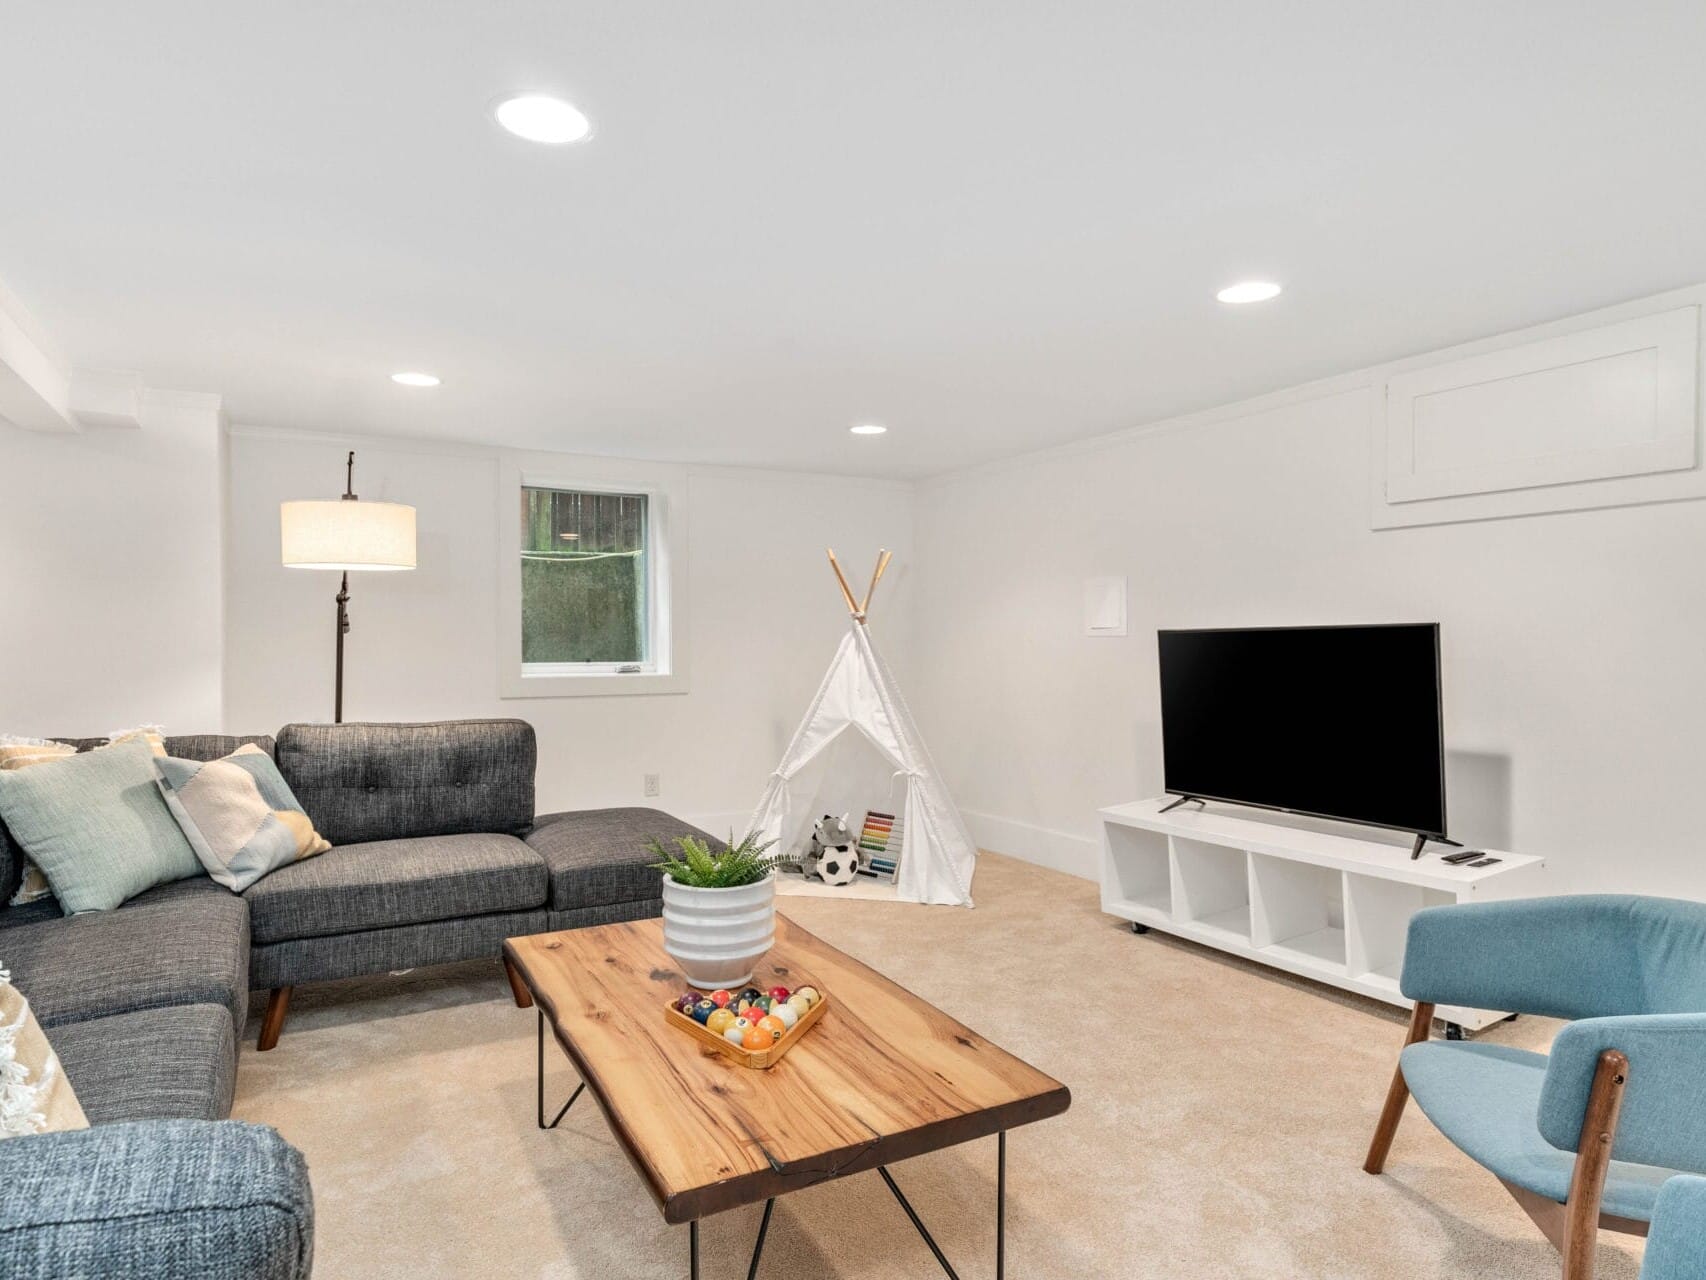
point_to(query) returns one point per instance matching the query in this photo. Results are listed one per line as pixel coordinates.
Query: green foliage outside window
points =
(584, 577)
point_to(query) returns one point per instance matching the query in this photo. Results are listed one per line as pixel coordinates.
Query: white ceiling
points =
(990, 224)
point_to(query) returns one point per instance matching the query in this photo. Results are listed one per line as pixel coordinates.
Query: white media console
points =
(1327, 907)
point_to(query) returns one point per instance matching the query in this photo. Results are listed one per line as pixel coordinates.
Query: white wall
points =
(763, 618)
(1575, 681)
(110, 573)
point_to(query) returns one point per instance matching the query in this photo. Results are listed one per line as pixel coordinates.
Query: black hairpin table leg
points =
(540, 1083)
(1000, 1213)
(911, 1213)
(757, 1248)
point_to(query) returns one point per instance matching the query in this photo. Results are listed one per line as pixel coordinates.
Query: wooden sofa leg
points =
(1593, 1160)
(1421, 1023)
(518, 988)
(272, 1022)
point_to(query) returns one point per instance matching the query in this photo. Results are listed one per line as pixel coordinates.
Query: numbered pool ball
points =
(702, 1011)
(720, 1021)
(779, 993)
(774, 1025)
(756, 1038)
(735, 1032)
(749, 994)
(686, 1000)
(808, 994)
(786, 1014)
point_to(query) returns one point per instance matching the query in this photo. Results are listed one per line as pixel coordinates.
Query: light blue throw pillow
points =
(97, 826)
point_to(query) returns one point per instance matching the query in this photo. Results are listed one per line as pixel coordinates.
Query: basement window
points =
(587, 590)
(591, 581)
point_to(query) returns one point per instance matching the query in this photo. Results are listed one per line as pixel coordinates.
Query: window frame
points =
(664, 489)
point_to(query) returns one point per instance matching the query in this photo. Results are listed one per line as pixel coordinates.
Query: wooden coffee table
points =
(882, 1077)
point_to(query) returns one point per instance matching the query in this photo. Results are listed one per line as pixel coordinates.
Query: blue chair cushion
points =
(1486, 1099)
(1676, 1250)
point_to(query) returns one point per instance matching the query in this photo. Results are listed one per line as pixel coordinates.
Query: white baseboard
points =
(1075, 855)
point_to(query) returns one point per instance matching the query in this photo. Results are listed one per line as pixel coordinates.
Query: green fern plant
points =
(698, 866)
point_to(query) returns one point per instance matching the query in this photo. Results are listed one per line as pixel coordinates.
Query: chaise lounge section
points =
(437, 857)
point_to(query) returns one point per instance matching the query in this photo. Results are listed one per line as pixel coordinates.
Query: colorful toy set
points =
(753, 1027)
(879, 845)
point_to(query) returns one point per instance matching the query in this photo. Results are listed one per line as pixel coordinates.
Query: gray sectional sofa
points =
(437, 857)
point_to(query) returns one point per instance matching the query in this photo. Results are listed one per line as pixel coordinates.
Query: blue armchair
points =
(1676, 1250)
(1677, 1246)
(1583, 1138)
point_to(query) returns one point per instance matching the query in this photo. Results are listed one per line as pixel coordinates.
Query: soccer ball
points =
(838, 866)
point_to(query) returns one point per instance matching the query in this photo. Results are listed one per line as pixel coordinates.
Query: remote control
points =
(1468, 855)
(1486, 862)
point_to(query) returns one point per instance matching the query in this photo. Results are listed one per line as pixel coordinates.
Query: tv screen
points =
(1335, 722)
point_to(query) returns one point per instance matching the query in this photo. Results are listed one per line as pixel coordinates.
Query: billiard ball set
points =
(753, 1027)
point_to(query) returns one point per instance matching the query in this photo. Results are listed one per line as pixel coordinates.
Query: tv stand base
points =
(1416, 851)
(1183, 800)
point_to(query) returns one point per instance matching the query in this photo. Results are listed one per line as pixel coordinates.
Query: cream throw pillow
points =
(35, 1096)
(154, 735)
(19, 753)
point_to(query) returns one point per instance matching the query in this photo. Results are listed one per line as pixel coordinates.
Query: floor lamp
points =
(346, 533)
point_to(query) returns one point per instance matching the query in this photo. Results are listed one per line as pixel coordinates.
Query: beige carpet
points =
(1219, 1118)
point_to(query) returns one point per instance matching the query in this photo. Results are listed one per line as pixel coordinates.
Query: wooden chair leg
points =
(518, 988)
(1593, 1159)
(1421, 1023)
(272, 1022)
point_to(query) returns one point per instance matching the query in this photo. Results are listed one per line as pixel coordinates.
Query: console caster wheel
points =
(1453, 1031)
(1139, 928)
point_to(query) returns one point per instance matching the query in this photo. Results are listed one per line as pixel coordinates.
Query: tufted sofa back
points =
(362, 782)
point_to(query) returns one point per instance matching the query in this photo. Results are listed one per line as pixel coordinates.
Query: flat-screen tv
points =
(1334, 722)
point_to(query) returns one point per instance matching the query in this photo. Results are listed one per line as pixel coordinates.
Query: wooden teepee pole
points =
(883, 558)
(846, 591)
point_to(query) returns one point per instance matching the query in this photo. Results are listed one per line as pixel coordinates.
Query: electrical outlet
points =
(652, 787)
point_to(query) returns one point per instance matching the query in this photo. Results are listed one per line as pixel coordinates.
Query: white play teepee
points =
(858, 709)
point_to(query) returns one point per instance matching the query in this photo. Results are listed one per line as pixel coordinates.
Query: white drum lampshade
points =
(347, 534)
(344, 534)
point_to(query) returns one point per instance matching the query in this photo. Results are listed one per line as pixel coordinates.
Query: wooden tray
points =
(756, 1058)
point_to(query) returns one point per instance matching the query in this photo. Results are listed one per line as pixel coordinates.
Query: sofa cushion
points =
(599, 856)
(366, 782)
(183, 943)
(177, 1063)
(404, 946)
(386, 883)
(214, 1200)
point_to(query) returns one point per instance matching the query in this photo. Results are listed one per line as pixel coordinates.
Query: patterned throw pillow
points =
(35, 1096)
(20, 753)
(239, 815)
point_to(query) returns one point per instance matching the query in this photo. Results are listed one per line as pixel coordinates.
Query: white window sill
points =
(589, 684)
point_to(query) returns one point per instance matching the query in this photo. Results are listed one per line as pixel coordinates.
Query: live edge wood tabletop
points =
(882, 1077)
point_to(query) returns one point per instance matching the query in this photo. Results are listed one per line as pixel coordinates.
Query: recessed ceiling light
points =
(1249, 291)
(414, 379)
(540, 118)
(868, 429)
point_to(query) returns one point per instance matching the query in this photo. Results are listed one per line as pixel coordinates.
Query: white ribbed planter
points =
(717, 936)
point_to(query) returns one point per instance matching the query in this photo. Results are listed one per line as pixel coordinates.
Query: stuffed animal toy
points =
(832, 850)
